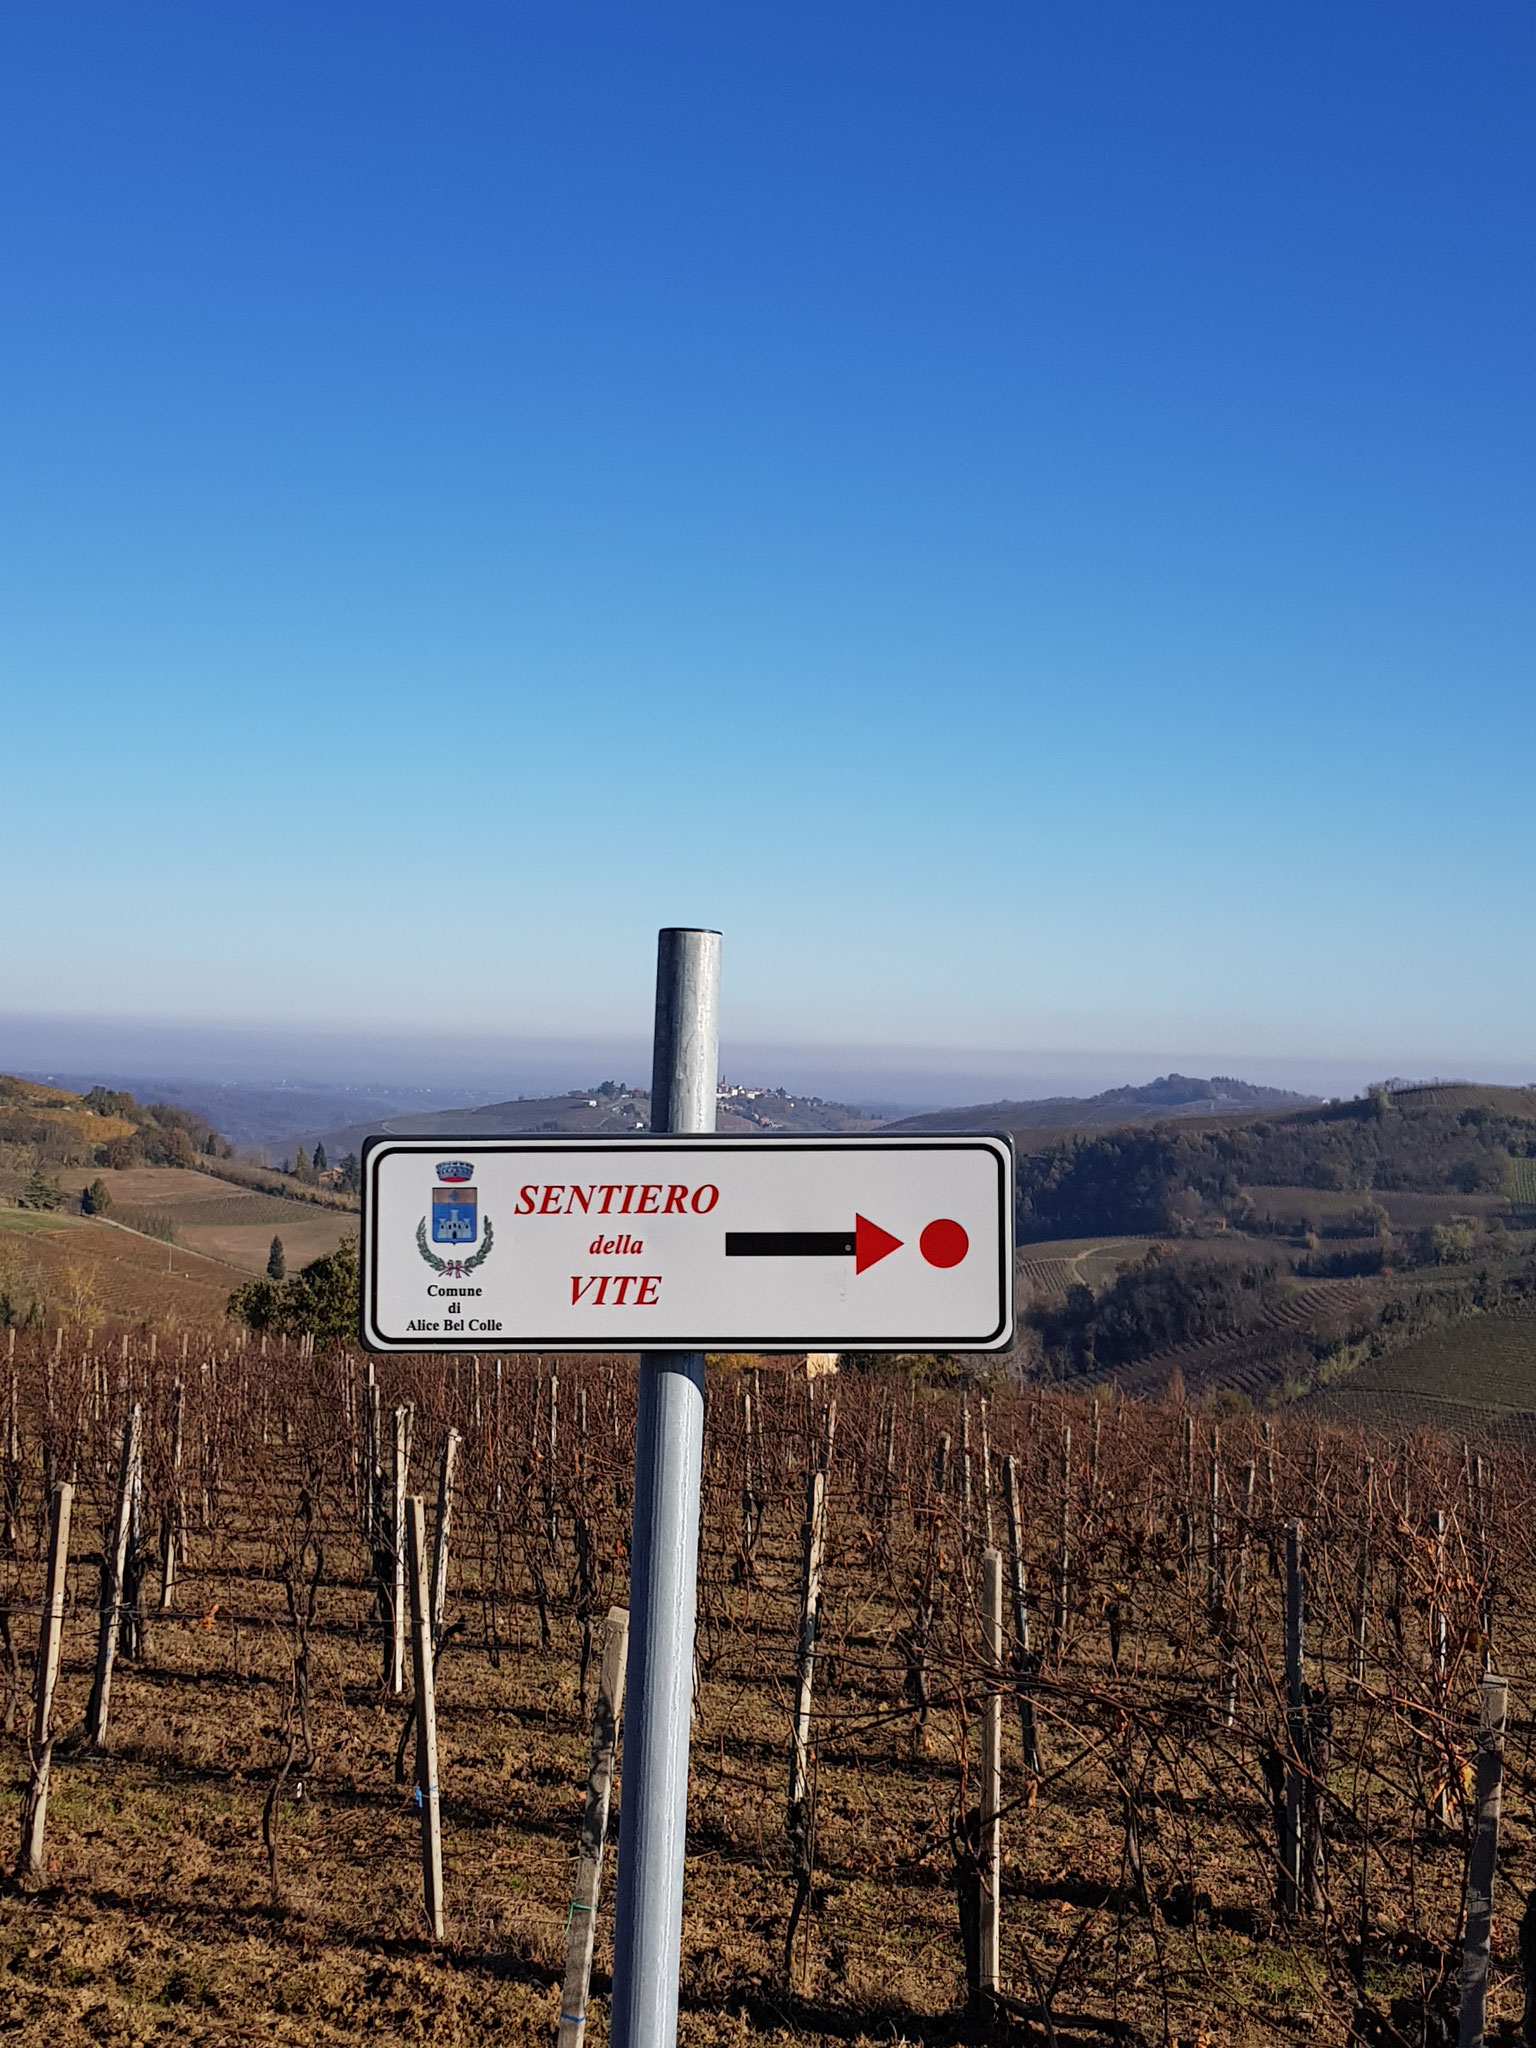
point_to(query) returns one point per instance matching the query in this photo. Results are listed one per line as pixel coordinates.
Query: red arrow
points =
(871, 1244)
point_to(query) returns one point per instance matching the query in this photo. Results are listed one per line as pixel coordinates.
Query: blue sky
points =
(1021, 516)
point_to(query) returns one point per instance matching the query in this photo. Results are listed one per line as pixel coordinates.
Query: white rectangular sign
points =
(687, 1244)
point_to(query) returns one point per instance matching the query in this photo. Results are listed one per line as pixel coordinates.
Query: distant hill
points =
(610, 1109)
(1162, 1174)
(1152, 1102)
(61, 1127)
(267, 1116)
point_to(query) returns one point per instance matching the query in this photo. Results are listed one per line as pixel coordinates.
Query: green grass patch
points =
(35, 1222)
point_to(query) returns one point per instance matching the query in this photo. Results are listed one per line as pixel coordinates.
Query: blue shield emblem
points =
(455, 1215)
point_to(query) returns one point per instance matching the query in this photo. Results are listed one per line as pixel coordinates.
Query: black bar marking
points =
(789, 1244)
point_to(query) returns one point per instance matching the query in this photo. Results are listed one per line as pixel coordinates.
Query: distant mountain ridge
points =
(1149, 1102)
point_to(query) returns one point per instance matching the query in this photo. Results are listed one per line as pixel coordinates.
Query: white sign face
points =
(687, 1244)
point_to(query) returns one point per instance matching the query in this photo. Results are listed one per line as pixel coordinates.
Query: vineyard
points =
(1017, 1716)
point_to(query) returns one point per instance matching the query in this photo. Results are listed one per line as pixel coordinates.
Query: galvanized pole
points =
(669, 1449)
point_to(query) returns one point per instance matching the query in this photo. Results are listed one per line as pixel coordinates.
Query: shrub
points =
(321, 1301)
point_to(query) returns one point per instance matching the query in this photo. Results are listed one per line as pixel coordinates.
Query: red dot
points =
(944, 1243)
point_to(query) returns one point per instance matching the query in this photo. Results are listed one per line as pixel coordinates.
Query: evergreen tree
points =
(277, 1265)
(320, 1161)
(301, 1164)
(96, 1199)
(323, 1298)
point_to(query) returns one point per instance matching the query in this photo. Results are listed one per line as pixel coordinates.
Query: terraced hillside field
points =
(1257, 1362)
(1052, 1265)
(215, 1218)
(1478, 1364)
(1056, 1264)
(77, 1273)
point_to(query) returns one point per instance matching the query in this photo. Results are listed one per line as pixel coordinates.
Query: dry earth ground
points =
(156, 1920)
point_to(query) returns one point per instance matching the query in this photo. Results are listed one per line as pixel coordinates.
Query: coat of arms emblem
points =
(455, 1215)
(455, 1220)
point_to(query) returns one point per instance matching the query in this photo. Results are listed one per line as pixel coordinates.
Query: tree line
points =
(1151, 1182)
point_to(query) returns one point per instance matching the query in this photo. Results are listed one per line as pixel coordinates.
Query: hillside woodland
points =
(1408, 1208)
(1166, 1178)
(106, 1127)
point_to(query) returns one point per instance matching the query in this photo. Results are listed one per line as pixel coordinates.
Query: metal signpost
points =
(672, 1245)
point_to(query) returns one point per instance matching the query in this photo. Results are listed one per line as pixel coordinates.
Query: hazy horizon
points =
(484, 1068)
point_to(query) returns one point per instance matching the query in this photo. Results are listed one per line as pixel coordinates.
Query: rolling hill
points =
(1171, 1095)
(611, 1111)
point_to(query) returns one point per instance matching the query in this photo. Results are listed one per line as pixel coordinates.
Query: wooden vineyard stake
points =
(113, 1563)
(1363, 1574)
(1295, 1715)
(402, 1461)
(372, 1452)
(10, 1485)
(171, 1513)
(798, 1817)
(1239, 1596)
(965, 1475)
(991, 1793)
(751, 1506)
(426, 1718)
(34, 1814)
(440, 1529)
(1477, 1943)
(551, 1497)
(131, 1628)
(1063, 1552)
(986, 1475)
(1213, 1570)
(581, 1931)
(1440, 1631)
(1022, 1660)
(1477, 1477)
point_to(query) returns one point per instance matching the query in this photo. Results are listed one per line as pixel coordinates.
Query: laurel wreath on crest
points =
(464, 1265)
